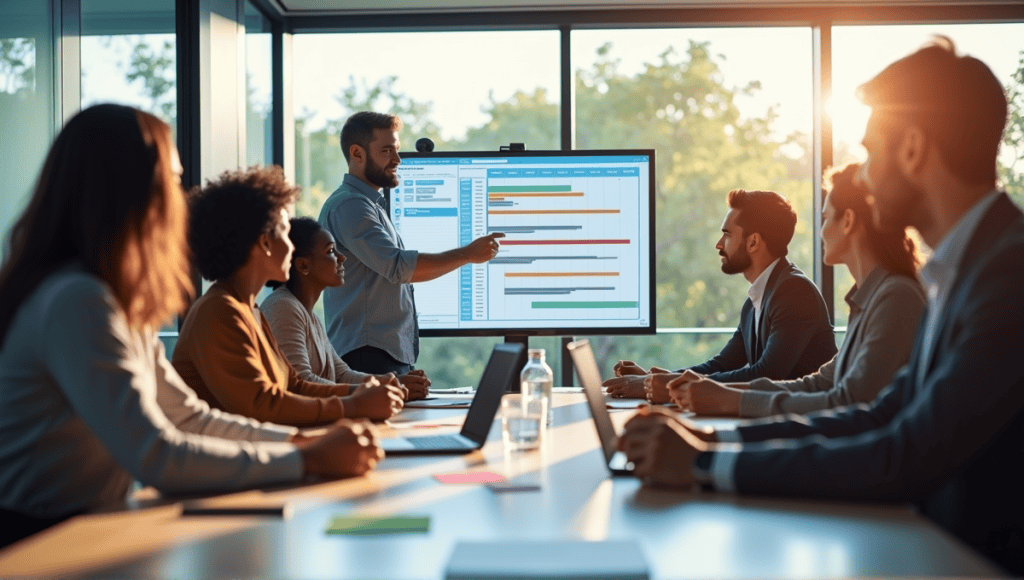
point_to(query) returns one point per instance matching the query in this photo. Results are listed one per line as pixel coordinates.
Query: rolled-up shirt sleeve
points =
(363, 233)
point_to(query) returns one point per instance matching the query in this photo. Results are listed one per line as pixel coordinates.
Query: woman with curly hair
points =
(316, 265)
(885, 302)
(238, 232)
(88, 402)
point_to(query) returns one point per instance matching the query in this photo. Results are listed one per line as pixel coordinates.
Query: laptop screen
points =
(590, 378)
(497, 378)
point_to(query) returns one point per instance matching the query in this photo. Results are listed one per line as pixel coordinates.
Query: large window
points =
(259, 136)
(464, 90)
(26, 104)
(725, 109)
(128, 55)
(861, 52)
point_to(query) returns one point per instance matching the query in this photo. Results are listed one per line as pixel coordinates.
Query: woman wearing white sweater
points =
(300, 335)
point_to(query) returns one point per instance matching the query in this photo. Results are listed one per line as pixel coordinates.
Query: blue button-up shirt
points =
(374, 307)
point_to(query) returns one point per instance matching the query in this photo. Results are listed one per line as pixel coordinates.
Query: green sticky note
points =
(369, 525)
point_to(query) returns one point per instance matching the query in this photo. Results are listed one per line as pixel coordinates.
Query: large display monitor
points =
(578, 254)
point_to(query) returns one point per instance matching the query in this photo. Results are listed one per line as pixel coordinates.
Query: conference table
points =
(682, 534)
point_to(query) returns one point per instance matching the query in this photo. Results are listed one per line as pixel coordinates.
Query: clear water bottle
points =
(536, 379)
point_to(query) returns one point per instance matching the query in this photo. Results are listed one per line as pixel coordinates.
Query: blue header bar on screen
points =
(574, 172)
(517, 160)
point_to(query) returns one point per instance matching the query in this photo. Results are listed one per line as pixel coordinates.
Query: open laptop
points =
(499, 374)
(590, 378)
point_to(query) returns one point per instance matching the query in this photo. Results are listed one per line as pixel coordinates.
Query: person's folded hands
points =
(627, 367)
(375, 400)
(416, 383)
(628, 386)
(656, 386)
(661, 449)
(704, 396)
(346, 448)
(678, 388)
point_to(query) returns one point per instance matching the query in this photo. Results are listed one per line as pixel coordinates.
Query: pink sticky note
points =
(474, 477)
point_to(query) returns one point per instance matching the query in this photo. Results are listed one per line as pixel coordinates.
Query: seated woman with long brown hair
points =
(238, 232)
(88, 401)
(316, 264)
(885, 302)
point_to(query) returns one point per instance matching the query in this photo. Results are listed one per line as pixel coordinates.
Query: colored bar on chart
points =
(530, 229)
(588, 304)
(532, 259)
(546, 291)
(495, 196)
(559, 242)
(529, 188)
(556, 274)
(550, 211)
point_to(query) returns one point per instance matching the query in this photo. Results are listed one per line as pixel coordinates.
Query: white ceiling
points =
(319, 7)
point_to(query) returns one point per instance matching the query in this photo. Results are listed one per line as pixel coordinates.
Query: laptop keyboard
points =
(438, 442)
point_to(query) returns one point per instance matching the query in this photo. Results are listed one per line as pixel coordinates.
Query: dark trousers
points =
(369, 359)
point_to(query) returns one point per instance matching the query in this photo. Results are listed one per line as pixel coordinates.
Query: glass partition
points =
(725, 108)
(129, 55)
(463, 90)
(861, 52)
(259, 135)
(27, 108)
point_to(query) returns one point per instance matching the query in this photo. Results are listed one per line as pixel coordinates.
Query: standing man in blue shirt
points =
(371, 319)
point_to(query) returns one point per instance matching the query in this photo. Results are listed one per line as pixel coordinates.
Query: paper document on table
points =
(608, 560)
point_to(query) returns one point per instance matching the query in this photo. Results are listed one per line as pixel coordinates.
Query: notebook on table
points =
(499, 374)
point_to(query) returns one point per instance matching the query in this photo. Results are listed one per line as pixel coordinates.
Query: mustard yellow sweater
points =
(233, 362)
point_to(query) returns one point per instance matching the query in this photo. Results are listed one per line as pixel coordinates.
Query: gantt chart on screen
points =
(576, 251)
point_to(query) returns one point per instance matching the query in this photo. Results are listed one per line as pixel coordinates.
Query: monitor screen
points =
(577, 256)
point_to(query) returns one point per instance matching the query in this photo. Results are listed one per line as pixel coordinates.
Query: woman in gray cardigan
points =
(88, 401)
(885, 306)
(300, 335)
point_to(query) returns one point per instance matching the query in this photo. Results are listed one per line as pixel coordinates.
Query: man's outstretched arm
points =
(431, 266)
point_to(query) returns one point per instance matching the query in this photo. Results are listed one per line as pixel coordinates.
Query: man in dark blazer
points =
(948, 433)
(784, 330)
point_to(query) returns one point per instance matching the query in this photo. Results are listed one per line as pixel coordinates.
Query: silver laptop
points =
(498, 377)
(590, 377)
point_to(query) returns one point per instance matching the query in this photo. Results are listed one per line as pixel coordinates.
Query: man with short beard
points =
(947, 432)
(784, 330)
(371, 319)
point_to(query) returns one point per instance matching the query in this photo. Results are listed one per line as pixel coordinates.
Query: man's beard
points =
(900, 199)
(736, 263)
(376, 175)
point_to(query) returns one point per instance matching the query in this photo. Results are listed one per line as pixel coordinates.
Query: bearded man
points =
(784, 330)
(371, 319)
